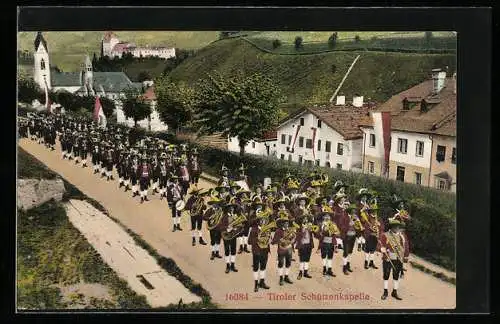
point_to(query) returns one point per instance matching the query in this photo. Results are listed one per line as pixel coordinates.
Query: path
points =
(152, 221)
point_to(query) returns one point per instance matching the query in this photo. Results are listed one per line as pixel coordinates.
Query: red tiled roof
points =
(270, 135)
(439, 119)
(108, 35)
(121, 47)
(344, 119)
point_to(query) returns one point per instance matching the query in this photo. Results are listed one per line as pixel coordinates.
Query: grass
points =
(68, 49)
(44, 258)
(29, 167)
(309, 79)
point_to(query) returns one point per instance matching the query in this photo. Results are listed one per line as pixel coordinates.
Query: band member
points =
(227, 225)
(301, 207)
(304, 245)
(121, 168)
(194, 167)
(223, 192)
(63, 140)
(327, 241)
(163, 173)
(184, 176)
(347, 230)
(213, 216)
(285, 237)
(134, 167)
(84, 148)
(363, 196)
(173, 196)
(373, 228)
(243, 201)
(155, 175)
(224, 180)
(95, 156)
(395, 251)
(144, 174)
(196, 206)
(257, 191)
(242, 175)
(260, 238)
(110, 159)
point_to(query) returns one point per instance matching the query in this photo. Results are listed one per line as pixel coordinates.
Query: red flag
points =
(295, 139)
(99, 116)
(313, 142)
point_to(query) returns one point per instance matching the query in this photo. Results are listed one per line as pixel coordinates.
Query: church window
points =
(42, 64)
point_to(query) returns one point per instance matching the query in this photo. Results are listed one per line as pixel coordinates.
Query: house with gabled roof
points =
(423, 134)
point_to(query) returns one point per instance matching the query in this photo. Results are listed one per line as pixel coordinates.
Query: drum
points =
(180, 205)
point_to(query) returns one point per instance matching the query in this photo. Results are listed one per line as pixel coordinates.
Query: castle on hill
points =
(112, 47)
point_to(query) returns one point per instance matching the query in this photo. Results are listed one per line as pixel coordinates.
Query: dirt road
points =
(152, 221)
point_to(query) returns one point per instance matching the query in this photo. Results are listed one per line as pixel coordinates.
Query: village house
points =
(112, 47)
(423, 135)
(265, 146)
(327, 136)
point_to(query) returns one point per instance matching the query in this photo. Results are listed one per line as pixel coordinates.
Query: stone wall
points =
(34, 192)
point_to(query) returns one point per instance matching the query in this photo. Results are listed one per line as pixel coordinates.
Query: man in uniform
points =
(347, 230)
(395, 251)
(194, 167)
(225, 225)
(134, 167)
(363, 196)
(373, 228)
(304, 245)
(84, 148)
(163, 174)
(284, 237)
(224, 180)
(243, 201)
(260, 250)
(144, 175)
(109, 162)
(184, 175)
(327, 241)
(174, 194)
(196, 206)
(95, 156)
(210, 214)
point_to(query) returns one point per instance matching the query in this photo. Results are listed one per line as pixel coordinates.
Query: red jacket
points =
(148, 170)
(343, 221)
(300, 234)
(278, 235)
(401, 240)
(368, 226)
(252, 240)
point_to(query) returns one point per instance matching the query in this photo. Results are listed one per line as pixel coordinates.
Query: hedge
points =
(433, 212)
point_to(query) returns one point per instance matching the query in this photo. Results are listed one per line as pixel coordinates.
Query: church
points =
(87, 82)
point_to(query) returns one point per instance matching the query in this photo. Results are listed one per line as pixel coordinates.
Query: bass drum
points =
(180, 205)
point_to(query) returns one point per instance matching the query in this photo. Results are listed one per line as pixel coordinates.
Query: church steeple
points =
(88, 73)
(41, 69)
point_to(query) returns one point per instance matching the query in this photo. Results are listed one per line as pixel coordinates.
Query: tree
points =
(176, 102)
(28, 90)
(241, 106)
(276, 43)
(108, 106)
(332, 40)
(357, 39)
(298, 42)
(143, 76)
(69, 101)
(134, 105)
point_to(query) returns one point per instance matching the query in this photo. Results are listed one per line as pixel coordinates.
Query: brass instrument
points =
(264, 235)
(197, 206)
(214, 219)
(288, 237)
(313, 228)
(358, 226)
(235, 228)
(331, 228)
(392, 240)
(326, 208)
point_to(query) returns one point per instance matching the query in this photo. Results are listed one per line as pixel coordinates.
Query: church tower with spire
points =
(88, 75)
(41, 69)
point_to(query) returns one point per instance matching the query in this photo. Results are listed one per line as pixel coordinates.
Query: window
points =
(418, 178)
(402, 145)
(274, 145)
(289, 139)
(302, 122)
(406, 105)
(317, 162)
(327, 164)
(289, 157)
(400, 174)
(328, 147)
(309, 143)
(372, 140)
(319, 145)
(282, 156)
(441, 184)
(340, 149)
(42, 64)
(454, 156)
(301, 141)
(300, 159)
(420, 148)
(371, 167)
(283, 138)
(440, 153)
(339, 166)
(319, 123)
(253, 144)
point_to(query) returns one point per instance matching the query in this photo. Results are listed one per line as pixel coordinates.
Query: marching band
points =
(290, 214)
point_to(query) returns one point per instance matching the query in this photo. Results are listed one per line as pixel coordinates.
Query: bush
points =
(332, 41)
(357, 39)
(298, 42)
(276, 43)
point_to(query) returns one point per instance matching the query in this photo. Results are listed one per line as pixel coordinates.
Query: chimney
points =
(438, 80)
(340, 100)
(357, 101)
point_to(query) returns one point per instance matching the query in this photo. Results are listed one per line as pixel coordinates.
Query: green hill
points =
(314, 78)
(67, 49)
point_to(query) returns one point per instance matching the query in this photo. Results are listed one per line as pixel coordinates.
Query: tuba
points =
(313, 228)
(264, 236)
(197, 207)
(237, 226)
(289, 237)
(215, 219)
